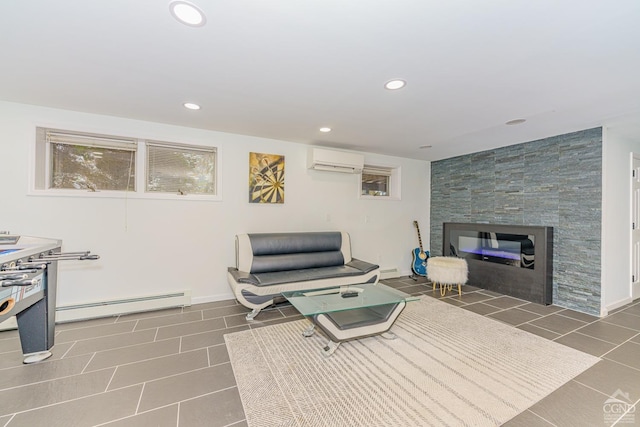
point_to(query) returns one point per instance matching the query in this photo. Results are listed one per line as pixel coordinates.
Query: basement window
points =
(77, 163)
(380, 182)
(88, 162)
(180, 169)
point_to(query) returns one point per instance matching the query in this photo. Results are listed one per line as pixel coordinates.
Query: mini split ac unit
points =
(335, 161)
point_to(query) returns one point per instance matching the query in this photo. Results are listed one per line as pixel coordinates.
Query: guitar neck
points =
(419, 238)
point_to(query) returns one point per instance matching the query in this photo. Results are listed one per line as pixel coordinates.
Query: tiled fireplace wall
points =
(554, 182)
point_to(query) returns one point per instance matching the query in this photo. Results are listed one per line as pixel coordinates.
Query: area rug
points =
(447, 367)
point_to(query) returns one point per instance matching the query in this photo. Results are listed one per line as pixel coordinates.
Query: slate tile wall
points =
(554, 182)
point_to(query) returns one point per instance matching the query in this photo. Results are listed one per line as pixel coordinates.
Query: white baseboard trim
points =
(620, 303)
(213, 298)
(389, 273)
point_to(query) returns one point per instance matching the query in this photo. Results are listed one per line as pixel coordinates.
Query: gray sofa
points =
(268, 264)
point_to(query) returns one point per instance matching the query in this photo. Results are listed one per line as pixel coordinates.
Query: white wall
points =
(616, 217)
(157, 246)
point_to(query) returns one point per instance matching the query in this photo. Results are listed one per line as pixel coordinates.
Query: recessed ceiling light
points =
(187, 13)
(395, 84)
(515, 122)
(325, 129)
(191, 106)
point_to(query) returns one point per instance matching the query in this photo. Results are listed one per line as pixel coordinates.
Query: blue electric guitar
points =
(419, 264)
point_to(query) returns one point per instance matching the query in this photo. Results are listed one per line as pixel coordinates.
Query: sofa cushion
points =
(299, 261)
(289, 276)
(273, 252)
(293, 243)
(355, 268)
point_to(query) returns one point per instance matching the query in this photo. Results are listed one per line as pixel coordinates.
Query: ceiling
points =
(282, 69)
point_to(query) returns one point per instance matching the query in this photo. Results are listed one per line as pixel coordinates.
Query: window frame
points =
(394, 188)
(40, 169)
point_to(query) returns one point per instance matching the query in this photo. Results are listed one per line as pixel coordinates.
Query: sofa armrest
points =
(242, 276)
(363, 266)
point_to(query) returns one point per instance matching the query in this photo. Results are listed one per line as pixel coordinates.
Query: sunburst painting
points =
(266, 178)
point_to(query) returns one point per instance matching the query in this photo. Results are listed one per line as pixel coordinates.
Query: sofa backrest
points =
(266, 252)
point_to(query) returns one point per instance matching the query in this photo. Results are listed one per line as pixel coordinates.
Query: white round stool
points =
(447, 271)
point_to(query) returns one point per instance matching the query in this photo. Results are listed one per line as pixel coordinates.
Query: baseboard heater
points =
(389, 273)
(70, 313)
(93, 310)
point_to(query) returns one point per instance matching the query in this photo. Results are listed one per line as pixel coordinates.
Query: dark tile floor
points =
(171, 367)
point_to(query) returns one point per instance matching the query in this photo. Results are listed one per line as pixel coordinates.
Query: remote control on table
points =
(350, 294)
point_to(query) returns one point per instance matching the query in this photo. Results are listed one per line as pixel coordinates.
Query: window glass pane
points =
(92, 168)
(180, 170)
(375, 185)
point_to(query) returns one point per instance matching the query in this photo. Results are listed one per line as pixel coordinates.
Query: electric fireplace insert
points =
(515, 260)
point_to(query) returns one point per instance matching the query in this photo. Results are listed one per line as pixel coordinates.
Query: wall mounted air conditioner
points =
(335, 161)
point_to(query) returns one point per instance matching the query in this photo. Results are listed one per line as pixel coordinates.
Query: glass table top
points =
(329, 300)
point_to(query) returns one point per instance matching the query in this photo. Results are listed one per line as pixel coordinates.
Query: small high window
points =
(380, 181)
(180, 169)
(86, 161)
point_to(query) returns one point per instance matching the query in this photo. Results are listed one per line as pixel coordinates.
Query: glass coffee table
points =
(350, 312)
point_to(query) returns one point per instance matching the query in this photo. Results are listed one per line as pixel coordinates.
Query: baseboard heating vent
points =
(122, 306)
(389, 273)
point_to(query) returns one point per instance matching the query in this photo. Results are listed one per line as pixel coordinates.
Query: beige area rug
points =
(448, 367)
